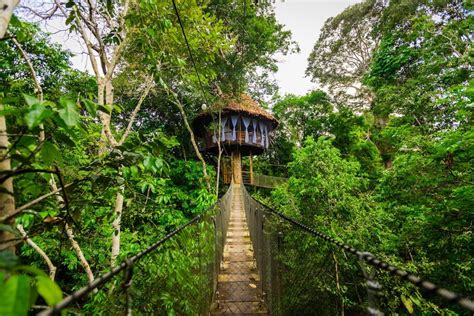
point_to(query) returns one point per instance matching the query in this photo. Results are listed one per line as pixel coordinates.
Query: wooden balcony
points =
(246, 148)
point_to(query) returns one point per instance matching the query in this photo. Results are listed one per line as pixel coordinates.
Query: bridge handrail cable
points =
(378, 263)
(104, 278)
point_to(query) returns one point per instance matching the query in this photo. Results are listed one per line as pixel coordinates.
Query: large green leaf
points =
(91, 106)
(69, 113)
(48, 290)
(36, 115)
(408, 304)
(50, 153)
(15, 296)
(30, 100)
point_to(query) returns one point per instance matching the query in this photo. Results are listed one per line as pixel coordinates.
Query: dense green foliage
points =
(155, 168)
(395, 179)
(382, 159)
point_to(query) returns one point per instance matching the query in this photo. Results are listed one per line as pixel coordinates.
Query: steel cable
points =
(427, 286)
(101, 280)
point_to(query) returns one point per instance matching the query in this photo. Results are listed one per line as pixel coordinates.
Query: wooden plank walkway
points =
(238, 284)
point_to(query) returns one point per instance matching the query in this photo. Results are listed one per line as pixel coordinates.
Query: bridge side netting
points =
(300, 274)
(175, 276)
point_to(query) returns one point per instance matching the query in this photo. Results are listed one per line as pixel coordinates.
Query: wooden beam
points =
(236, 167)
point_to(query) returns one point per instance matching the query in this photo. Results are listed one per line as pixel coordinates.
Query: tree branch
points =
(193, 139)
(148, 86)
(51, 266)
(79, 253)
(35, 79)
(31, 203)
(84, 37)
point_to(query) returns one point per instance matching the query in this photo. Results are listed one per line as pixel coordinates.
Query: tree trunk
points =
(236, 167)
(219, 156)
(6, 11)
(251, 168)
(7, 201)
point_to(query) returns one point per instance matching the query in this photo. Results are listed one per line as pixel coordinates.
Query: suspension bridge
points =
(248, 259)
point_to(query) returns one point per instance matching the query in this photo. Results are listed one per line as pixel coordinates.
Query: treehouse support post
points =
(237, 167)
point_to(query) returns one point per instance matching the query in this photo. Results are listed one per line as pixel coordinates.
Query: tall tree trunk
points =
(219, 156)
(236, 167)
(6, 11)
(7, 201)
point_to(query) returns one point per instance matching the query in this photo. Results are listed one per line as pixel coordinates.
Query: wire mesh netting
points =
(280, 266)
(177, 278)
(300, 274)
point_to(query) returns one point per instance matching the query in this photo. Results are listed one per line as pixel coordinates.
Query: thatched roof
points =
(241, 104)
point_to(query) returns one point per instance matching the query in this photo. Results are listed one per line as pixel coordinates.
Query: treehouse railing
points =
(254, 179)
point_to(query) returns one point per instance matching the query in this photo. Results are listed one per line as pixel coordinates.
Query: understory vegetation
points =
(97, 165)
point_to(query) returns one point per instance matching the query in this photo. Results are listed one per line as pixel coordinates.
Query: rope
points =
(101, 280)
(380, 264)
(189, 51)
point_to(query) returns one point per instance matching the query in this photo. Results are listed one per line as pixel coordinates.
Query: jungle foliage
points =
(115, 141)
(392, 173)
(380, 158)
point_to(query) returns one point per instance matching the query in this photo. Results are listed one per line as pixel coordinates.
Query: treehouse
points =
(244, 130)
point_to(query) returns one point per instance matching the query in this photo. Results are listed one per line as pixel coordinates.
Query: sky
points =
(304, 18)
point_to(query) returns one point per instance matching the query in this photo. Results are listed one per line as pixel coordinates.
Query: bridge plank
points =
(239, 288)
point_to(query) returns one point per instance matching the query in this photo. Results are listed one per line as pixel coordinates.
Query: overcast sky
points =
(304, 18)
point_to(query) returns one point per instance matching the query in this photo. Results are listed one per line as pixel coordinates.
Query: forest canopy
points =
(97, 165)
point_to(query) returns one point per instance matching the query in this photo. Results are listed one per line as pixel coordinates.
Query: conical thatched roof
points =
(243, 104)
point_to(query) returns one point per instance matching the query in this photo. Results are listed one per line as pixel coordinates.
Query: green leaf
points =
(159, 163)
(149, 163)
(134, 171)
(162, 83)
(48, 290)
(9, 100)
(69, 113)
(30, 100)
(106, 108)
(91, 106)
(30, 270)
(408, 304)
(50, 153)
(36, 115)
(15, 296)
